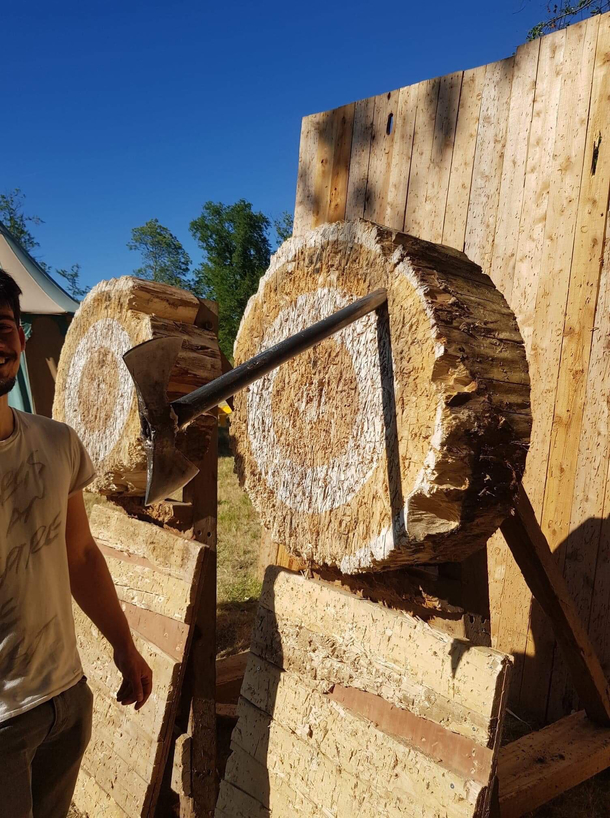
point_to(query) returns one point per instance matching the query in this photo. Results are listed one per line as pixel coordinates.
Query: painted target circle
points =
(383, 444)
(104, 387)
(94, 391)
(319, 486)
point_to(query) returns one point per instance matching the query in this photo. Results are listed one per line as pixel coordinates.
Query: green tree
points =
(165, 259)
(562, 14)
(236, 247)
(72, 276)
(15, 220)
(283, 227)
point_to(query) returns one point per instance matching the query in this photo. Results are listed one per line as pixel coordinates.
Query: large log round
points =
(94, 391)
(401, 439)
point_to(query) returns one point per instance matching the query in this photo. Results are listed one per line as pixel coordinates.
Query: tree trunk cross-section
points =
(401, 439)
(95, 393)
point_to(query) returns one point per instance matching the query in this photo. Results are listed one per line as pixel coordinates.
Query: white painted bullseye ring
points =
(107, 334)
(315, 489)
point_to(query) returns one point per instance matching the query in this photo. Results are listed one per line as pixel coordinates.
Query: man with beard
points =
(47, 556)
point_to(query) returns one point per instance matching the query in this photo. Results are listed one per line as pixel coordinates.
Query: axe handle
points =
(207, 397)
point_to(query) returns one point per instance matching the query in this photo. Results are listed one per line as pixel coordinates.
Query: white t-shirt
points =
(41, 464)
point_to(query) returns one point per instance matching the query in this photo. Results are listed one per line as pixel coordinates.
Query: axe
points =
(150, 365)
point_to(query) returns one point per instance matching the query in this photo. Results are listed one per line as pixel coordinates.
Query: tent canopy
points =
(46, 311)
(41, 294)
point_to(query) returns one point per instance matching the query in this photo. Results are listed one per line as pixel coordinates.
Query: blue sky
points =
(119, 112)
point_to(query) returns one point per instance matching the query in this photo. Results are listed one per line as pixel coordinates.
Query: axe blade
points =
(150, 365)
(167, 470)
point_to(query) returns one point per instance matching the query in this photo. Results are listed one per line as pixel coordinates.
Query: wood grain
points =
(547, 763)
(523, 201)
(318, 733)
(156, 575)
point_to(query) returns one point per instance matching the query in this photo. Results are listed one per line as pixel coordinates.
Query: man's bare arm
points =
(94, 591)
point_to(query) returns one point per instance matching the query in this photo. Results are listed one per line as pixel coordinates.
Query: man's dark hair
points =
(9, 294)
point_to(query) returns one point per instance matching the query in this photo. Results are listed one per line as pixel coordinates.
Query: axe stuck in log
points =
(150, 365)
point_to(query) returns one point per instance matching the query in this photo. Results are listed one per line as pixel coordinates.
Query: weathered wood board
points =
(527, 199)
(349, 708)
(544, 764)
(156, 575)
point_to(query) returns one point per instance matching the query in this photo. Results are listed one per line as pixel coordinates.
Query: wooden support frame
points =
(546, 763)
(531, 771)
(533, 556)
(199, 697)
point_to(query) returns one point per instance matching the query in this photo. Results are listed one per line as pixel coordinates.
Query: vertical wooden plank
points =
(323, 167)
(423, 138)
(581, 550)
(400, 163)
(583, 544)
(537, 182)
(303, 208)
(332, 164)
(502, 572)
(487, 170)
(598, 621)
(343, 132)
(267, 553)
(442, 154)
(548, 289)
(383, 135)
(462, 162)
(542, 321)
(364, 112)
(600, 605)
(199, 691)
(576, 344)
(324, 162)
(512, 623)
(514, 167)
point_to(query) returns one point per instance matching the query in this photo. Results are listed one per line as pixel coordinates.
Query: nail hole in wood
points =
(390, 125)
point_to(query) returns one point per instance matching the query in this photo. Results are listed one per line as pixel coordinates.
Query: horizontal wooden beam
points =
(460, 754)
(532, 554)
(542, 765)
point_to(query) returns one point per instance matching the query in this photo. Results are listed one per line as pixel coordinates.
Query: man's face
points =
(12, 344)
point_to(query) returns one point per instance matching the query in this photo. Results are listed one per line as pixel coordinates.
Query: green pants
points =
(41, 752)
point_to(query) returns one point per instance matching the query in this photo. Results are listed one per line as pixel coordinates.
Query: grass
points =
(238, 547)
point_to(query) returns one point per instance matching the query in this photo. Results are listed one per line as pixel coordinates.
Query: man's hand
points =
(137, 678)
(94, 591)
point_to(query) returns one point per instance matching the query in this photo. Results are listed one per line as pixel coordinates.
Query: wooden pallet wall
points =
(156, 575)
(350, 708)
(510, 162)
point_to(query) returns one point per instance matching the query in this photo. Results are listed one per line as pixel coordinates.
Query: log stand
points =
(191, 776)
(546, 763)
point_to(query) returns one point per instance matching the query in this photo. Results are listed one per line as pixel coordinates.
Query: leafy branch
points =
(562, 15)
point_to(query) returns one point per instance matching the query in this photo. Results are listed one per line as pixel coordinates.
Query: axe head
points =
(150, 365)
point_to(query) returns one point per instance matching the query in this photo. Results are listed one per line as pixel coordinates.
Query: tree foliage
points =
(165, 259)
(14, 218)
(73, 284)
(236, 248)
(562, 13)
(283, 227)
